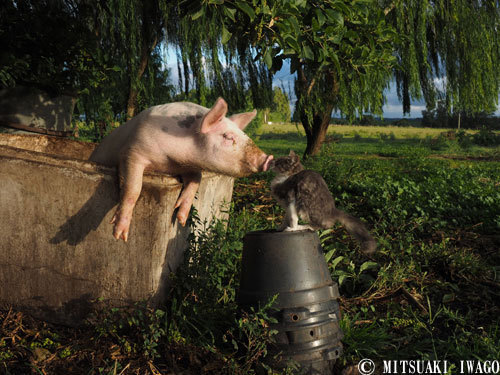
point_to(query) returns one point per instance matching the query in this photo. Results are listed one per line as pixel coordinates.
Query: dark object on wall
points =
(32, 110)
(292, 265)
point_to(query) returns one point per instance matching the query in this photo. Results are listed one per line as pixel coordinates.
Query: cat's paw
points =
(298, 227)
(304, 227)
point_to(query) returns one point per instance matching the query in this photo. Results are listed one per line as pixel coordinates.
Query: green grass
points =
(432, 291)
(372, 141)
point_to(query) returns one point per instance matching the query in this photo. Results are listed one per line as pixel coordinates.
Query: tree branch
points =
(311, 85)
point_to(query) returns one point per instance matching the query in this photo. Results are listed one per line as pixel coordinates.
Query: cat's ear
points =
(293, 155)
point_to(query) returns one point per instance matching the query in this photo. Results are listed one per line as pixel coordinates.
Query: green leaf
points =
(226, 35)
(329, 255)
(198, 14)
(320, 16)
(300, 3)
(343, 8)
(368, 265)
(337, 38)
(335, 17)
(341, 279)
(336, 261)
(230, 12)
(308, 52)
(246, 8)
(268, 59)
(292, 42)
(335, 59)
(295, 25)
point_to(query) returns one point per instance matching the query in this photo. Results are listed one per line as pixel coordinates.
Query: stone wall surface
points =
(58, 258)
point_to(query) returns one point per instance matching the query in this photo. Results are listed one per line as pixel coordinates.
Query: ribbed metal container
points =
(292, 265)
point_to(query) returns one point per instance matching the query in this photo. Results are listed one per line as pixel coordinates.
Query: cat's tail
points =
(357, 229)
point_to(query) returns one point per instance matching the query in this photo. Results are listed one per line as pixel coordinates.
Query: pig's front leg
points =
(131, 170)
(191, 182)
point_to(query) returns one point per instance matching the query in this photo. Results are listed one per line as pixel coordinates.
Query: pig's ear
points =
(243, 119)
(213, 119)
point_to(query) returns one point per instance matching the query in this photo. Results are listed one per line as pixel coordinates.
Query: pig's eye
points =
(229, 137)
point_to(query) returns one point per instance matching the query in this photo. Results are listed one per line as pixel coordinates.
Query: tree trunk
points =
(133, 90)
(131, 102)
(315, 126)
(150, 35)
(316, 131)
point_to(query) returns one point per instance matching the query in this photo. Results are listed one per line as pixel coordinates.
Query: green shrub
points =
(438, 143)
(464, 140)
(486, 137)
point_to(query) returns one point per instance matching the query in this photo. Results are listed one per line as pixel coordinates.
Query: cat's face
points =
(286, 165)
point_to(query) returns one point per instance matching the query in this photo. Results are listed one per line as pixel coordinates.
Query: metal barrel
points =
(292, 266)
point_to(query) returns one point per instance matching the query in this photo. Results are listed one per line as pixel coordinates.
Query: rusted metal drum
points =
(292, 266)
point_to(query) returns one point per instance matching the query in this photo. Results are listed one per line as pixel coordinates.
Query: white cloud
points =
(440, 83)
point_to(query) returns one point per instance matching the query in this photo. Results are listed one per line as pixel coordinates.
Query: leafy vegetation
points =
(430, 292)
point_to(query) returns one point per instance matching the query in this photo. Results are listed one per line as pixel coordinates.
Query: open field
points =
(365, 131)
(432, 291)
(365, 140)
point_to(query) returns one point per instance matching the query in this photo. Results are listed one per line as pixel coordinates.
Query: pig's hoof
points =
(121, 227)
(182, 219)
(120, 234)
(184, 206)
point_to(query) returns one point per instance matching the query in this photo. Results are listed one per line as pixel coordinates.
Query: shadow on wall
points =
(173, 259)
(89, 217)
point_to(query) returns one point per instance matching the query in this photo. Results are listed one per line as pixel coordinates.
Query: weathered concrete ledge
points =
(57, 253)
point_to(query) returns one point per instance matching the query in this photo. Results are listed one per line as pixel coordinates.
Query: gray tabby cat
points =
(304, 194)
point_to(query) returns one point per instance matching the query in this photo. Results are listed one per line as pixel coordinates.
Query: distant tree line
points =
(369, 120)
(440, 117)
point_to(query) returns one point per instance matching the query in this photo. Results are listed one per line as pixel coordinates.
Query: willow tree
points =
(211, 65)
(129, 32)
(450, 53)
(132, 34)
(345, 53)
(341, 53)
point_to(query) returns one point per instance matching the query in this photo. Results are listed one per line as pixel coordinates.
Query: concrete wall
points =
(57, 253)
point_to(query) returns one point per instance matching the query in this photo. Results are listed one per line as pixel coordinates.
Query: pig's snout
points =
(254, 160)
(267, 163)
